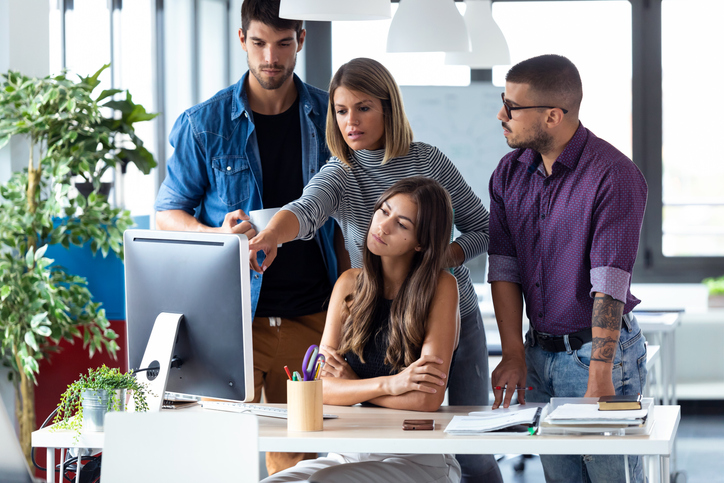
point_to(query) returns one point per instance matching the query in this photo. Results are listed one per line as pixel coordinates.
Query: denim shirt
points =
(216, 168)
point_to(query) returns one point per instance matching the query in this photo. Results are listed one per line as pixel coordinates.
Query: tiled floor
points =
(699, 454)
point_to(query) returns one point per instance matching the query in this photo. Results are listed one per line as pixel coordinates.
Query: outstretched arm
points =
(179, 220)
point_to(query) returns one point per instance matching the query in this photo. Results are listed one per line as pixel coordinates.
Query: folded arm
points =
(420, 386)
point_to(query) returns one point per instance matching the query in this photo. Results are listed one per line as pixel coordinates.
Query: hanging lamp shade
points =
(488, 44)
(329, 10)
(428, 26)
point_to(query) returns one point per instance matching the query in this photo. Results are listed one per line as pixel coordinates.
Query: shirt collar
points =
(241, 99)
(568, 158)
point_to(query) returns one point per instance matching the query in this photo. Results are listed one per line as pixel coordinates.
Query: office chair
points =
(180, 446)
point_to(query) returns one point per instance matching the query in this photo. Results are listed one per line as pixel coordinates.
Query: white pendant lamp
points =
(328, 10)
(488, 44)
(428, 26)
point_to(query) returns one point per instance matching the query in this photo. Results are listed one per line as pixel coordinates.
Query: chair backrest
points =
(180, 446)
(13, 467)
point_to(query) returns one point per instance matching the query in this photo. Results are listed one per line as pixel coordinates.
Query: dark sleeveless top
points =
(376, 347)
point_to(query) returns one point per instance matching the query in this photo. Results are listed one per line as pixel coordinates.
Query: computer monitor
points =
(188, 300)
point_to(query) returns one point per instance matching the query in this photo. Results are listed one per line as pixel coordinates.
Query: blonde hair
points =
(371, 78)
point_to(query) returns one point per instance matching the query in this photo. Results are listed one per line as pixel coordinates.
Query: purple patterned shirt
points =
(568, 235)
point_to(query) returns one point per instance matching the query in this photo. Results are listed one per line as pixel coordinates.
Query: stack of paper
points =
(576, 414)
(485, 421)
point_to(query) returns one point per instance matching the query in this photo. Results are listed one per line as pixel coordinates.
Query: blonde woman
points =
(370, 139)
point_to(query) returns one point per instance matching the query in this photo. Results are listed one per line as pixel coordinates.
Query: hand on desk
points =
(508, 375)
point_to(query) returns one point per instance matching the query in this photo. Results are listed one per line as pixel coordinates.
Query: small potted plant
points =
(84, 404)
(716, 291)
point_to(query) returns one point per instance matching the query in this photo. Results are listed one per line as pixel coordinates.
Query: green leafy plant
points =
(715, 285)
(70, 407)
(69, 134)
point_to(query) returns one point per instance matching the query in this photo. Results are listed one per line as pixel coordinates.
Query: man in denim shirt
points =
(256, 145)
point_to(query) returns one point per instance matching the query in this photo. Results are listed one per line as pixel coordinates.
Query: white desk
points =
(379, 430)
(661, 327)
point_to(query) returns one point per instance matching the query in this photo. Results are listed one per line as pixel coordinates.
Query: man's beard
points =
(539, 141)
(274, 83)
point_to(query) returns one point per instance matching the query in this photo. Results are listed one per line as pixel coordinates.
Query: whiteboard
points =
(462, 123)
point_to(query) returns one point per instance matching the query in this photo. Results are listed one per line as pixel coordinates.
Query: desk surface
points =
(379, 430)
(658, 321)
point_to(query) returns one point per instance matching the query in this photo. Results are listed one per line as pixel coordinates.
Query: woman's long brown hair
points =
(410, 307)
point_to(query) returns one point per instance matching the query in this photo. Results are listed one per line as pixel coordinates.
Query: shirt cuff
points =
(611, 281)
(169, 199)
(503, 269)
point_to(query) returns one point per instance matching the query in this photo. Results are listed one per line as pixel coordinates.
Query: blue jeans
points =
(468, 386)
(565, 374)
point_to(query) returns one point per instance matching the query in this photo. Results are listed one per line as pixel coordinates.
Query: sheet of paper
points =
(475, 424)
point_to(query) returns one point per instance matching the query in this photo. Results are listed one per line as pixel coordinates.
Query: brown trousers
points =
(276, 346)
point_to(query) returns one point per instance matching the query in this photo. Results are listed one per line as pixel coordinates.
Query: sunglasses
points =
(509, 110)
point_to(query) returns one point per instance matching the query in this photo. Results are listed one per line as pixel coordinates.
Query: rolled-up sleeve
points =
(320, 199)
(616, 223)
(502, 256)
(187, 179)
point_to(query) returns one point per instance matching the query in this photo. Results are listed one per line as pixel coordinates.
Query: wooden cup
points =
(304, 405)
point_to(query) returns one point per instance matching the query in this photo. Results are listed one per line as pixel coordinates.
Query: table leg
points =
(664, 469)
(50, 465)
(62, 464)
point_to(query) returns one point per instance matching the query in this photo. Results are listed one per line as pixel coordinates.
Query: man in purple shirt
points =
(565, 217)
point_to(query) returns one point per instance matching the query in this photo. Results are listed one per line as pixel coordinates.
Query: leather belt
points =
(557, 343)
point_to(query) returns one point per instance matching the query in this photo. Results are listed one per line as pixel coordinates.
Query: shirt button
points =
(540, 314)
(543, 217)
(256, 275)
(537, 284)
(228, 168)
(312, 134)
(547, 182)
(311, 170)
(245, 114)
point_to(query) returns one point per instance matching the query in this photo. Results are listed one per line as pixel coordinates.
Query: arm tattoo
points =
(607, 313)
(603, 349)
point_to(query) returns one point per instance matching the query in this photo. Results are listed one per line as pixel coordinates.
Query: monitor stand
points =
(159, 351)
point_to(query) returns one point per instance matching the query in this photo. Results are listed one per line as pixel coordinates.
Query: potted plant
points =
(716, 291)
(84, 404)
(40, 302)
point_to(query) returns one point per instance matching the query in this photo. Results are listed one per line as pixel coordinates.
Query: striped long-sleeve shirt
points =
(349, 194)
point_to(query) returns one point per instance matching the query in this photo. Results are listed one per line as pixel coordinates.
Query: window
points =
(605, 66)
(84, 37)
(693, 169)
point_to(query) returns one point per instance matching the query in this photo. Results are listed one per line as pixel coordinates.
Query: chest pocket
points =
(233, 178)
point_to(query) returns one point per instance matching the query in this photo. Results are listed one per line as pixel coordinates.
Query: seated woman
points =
(391, 330)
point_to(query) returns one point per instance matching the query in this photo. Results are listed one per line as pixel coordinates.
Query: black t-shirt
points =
(296, 283)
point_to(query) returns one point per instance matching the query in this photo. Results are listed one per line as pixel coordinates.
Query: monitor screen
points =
(201, 279)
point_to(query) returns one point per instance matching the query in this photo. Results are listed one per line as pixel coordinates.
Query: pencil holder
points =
(304, 405)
